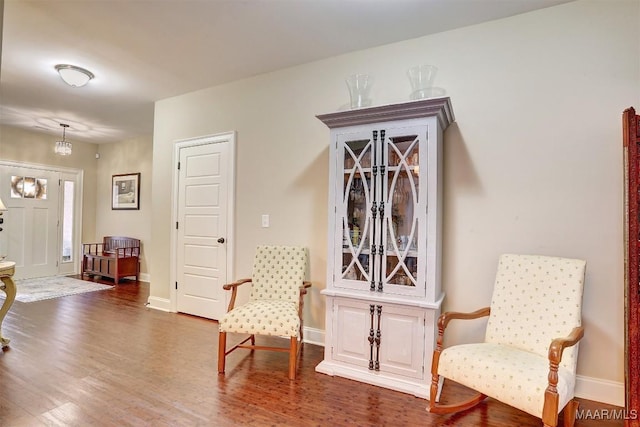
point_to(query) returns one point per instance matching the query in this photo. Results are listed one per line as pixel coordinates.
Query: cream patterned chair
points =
(275, 304)
(528, 358)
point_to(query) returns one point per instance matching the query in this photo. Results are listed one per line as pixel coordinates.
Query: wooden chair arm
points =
(559, 344)
(235, 284)
(551, 397)
(448, 316)
(234, 291)
(303, 288)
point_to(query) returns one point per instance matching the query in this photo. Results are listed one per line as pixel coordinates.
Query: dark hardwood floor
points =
(103, 359)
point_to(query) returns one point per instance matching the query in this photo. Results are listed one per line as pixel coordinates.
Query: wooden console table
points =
(7, 268)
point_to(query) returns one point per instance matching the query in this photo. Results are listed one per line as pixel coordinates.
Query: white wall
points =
(533, 163)
(130, 156)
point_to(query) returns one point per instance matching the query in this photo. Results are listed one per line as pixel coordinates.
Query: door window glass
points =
(67, 222)
(28, 188)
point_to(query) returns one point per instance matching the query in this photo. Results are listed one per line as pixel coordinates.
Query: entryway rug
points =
(42, 288)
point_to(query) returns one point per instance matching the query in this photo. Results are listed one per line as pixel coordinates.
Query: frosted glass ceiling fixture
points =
(74, 76)
(63, 147)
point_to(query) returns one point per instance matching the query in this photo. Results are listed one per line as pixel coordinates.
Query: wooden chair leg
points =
(293, 353)
(569, 413)
(551, 403)
(435, 378)
(222, 349)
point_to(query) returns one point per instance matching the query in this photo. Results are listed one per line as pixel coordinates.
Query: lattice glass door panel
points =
(354, 217)
(401, 223)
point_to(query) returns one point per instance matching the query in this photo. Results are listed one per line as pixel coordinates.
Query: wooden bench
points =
(116, 257)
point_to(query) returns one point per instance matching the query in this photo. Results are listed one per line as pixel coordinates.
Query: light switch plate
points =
(265, 220)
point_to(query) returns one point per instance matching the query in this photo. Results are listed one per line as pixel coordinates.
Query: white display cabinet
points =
(383, 293)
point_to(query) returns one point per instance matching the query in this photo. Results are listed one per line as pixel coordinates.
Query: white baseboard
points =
(162, 304)
(144, 277)
(604, 391)
(313, 336)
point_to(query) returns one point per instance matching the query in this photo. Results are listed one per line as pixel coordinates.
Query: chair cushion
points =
(516, 377)
(266, 317)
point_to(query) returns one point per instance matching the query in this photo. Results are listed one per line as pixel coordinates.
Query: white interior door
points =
(30, 226)
(203, 195)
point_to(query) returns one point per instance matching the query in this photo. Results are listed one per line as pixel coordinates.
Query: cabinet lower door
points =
(381, 337)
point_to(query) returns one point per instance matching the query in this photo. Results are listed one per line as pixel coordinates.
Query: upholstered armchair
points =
(529, 354)
(275, 304)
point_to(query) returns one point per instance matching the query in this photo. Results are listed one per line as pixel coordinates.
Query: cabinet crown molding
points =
(440, 107)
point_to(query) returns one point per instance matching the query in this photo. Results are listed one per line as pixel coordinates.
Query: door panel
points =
(351, 328)
(402, 335)
(40, 235)
(202, 219)
(13, 231)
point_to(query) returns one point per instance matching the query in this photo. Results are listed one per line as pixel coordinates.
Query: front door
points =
(29, 235)
(203, 197)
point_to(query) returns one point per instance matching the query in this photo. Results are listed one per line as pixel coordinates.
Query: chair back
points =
(536, 299)
(278, 273)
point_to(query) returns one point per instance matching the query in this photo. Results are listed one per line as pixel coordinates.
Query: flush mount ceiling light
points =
(74, 76)
(63, 147)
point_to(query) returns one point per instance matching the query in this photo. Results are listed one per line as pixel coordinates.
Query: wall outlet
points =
(265, 220)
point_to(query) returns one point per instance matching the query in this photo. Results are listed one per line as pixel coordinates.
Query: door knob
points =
(221, 240)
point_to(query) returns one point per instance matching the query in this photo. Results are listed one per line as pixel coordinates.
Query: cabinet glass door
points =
(380, 210)
(404, 208)
(353, 220)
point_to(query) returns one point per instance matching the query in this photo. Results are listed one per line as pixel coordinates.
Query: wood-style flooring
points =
(104, 359)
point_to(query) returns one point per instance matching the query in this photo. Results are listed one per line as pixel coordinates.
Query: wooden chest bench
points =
(116, 257)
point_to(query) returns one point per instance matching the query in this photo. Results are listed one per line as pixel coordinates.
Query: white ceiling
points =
(144, 51)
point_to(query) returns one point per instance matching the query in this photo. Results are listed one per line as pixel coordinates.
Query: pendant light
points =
(63, 147)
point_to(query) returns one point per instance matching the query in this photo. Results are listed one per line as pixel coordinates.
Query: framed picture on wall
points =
(125, 191)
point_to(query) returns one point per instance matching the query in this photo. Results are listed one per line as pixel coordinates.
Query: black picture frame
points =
(125, 191)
